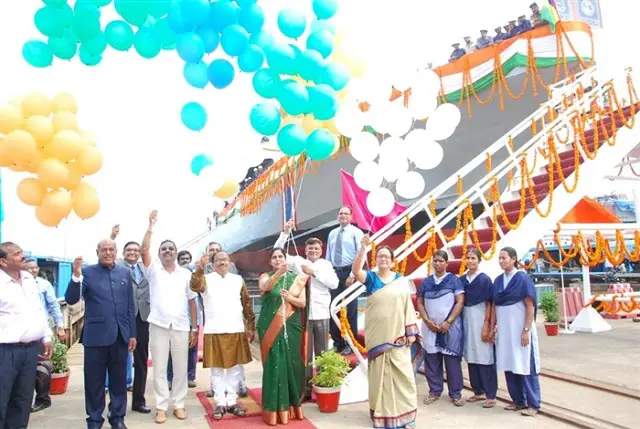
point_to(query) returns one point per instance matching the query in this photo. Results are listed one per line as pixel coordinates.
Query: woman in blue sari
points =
(440, 302)
(478, 338)
(517, 351)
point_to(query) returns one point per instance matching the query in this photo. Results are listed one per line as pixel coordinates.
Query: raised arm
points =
(282, 242)
(266, 282)
(75, 289)
(358, 262)
(198, 281)
(115, 231)
(146, 241)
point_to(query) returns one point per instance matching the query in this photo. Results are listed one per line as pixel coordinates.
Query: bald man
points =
(109, 332)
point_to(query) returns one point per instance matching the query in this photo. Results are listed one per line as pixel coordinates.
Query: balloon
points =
(234, 40)
(324, 9)
(263, 38)
(30, 191)
(41, 129)
(19, 146)
(349, 120)
(159, 8)
(74, 177)
(134, 12)
(50, 21)
(364, 147)
(119, 35)
(58, 203)
(37, 54)
(97, 45)
(212, 178)
(430, 157)
(55, 3)
(199, 162)
(331, 126)
(410, 185)
(310, 65)
(336, 75)
(292, 139)
(85, 201)
(64, 48)
(196, 74)
(190, 47)
(421, 105)
(322, 24)
(167, 35)
(320, 144)
(222, 14)
(65, 145)
(194, 116)
(176, 21)
(368, 175)
(391, 147)
(294, 98)
(36, 104)
(86, 21)
(221, 73)
(323, 101)
(147, 43)
(291, 23)
(195, 12)
(399, 120)
(310, 124)
(210, 38)
(393, 165)
(251, 59)
(251, 17)
(380, 202)
(90, 161)
(266, 83)
(281, 58)
(64, 102)
(87, 59)
(53, 173)
(46, 218)
(265, 119)
(442, 124)
(321, 41)
(228, 190)
(65, 121)
(10, 118)
(87, 138)
(426, 83)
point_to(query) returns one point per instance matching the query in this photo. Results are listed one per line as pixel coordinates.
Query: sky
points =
(132, 106)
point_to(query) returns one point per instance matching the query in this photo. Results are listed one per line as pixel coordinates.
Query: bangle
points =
(449, 321)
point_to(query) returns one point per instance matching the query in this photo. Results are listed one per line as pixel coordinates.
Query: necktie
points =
(337, 258)
(134, 273)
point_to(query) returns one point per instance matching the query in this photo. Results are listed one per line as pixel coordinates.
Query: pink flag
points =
(356, 198)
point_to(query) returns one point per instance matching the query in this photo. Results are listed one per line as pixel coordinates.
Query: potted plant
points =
(549, 307)
(60, 373)
(332, 368)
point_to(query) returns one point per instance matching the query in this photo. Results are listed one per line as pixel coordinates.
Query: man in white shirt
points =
(23, 327)
(171, 326)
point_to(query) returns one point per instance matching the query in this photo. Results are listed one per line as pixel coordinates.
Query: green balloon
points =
(87, 59)
(63, 47)
(95, 46)
(147, 43)
(49, 21)
(134, 12)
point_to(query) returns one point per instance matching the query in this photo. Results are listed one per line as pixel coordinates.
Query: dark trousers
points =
(484, 379)
(435, 375)
(17, 378)
(97, 360)
(524, 389)
(352, 311)
(140, 360)
(43, 378)
(191, 369)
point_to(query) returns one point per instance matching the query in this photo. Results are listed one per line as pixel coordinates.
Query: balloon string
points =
(290, 239)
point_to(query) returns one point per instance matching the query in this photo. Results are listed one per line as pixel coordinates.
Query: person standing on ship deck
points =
(343, 245)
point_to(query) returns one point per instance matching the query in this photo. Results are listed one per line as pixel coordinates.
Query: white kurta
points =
(475, 350)
(510, 355)
(438, 309)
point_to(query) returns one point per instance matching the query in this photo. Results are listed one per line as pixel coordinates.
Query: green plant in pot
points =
(549, 307)
(60, 373)
(331, 370)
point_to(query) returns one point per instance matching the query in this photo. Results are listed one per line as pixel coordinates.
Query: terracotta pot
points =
(59, 383)
(552, 328)
(328, 398)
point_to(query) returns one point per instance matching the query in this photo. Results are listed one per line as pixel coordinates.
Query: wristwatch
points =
(526, 329)
(194, 329)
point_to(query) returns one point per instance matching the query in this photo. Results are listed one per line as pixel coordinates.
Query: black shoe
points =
(243, 392)
(210, 394)
(40, 406)
(192, 384)
(170, 385)
(119, 425)
(346, 351)
(141, 409)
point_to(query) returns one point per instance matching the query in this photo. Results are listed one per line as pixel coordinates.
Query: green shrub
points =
(59, 358)
(549, 307)
(332, 368)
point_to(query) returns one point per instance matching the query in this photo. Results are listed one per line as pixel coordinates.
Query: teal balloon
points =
(251, 59)
(221, 73)
(199, 162)
(100, 3)
(320, 144)
(37, 54)
(234, 40)
(336, 75)
(147, 43)
(49, 21)
(86, 23)
(281, 58)
(134, 12)
(71, 35)
(251, 17)
(265, 119)
(310, 65)
(263, 38)
(223, 14)
(291, 23)
(87, 8)
(323, 101)
(324, 9)
(196, 74)
(64, 48)
(210, 37)
(322, 24)
(55, 3)
(159, 8)
(87, 59)
(321, 41)
(292, 139)
(96, 46)
(190, 47)
(166, 34)
(119, 35)
(176, 21)
(245, 3)
(266, 83)
(195, 12)
(294, 98)
(194, 116)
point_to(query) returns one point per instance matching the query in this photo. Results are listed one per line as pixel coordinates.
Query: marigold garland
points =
(345, 329)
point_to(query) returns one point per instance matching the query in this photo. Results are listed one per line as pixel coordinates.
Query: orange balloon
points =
(47, 218)
(36, 104)
(64, 102)
(88, 139)
(17, 101)
(65, 145)
(90, 161)
(331, 126)
(53, 173)
(34, 162)
(19, 146)
(65, 121)
(5, 161)
(291, 120)
(40, 128)
(228, 190)
(30, 191)
(57, 202)
(74, 177)
(10, 118)
(18, 168)
(309, 123)
(85, 201)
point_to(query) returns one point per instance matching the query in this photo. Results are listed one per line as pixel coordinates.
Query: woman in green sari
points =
(280, 330)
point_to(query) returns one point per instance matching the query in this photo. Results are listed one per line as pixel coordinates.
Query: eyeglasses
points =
(383, 257)
(167, 249)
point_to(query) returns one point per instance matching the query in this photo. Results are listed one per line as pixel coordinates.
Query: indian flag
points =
(549, 14)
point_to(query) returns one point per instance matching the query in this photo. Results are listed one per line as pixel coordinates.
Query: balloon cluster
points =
(41, 136)
(404, 147)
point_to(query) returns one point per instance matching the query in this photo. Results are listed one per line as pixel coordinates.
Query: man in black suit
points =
(109, 332)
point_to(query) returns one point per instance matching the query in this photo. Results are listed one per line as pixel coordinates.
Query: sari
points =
(280, 330)
(390, 321)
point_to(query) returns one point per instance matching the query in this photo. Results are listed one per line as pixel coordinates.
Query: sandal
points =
(237, 410)
(430, 399)
(218, 413)
(489, 403)
(529, 412)
(476, 398)
(515, 407)
(459, 402)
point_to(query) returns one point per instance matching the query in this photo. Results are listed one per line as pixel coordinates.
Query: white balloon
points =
(414, 143)
(211, 178)
(393, 166)
(364, 147)
(378, 116)
(349, 120)
(410, 185)
(377, 87)
(442, 124)
(368, 175)
(426, 82)
(390, 147)
(421, 104)
(431, 156)
(400, 120)
(380, 202)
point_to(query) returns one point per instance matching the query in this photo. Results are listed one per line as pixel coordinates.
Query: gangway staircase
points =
(585, 131)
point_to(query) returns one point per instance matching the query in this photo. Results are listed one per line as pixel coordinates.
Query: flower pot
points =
(552, 328)
(328, 398)
(59, 383)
